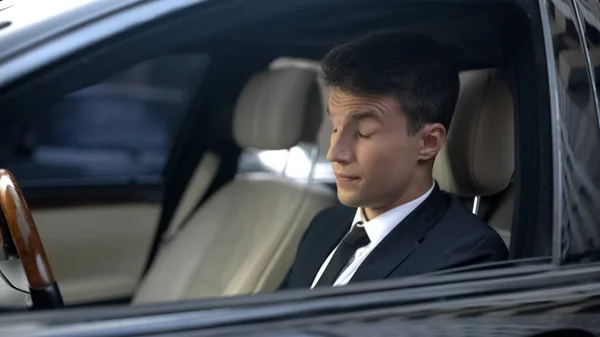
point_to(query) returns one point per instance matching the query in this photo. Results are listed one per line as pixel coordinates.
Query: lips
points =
(345, 181)
(343, 177)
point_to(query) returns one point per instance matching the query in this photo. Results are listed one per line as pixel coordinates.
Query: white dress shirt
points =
(377, 229)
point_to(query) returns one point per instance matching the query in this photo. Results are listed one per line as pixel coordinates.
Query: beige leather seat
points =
(244, 238)
(478, 157)
(501, 217)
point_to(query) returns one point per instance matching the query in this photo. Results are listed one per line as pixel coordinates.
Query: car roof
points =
(26, 25)
(30, 21)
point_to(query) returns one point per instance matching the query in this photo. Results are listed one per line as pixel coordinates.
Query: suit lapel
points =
(330, 236)
(403, 239)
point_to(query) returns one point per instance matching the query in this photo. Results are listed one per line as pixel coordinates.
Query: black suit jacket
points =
(439, 234)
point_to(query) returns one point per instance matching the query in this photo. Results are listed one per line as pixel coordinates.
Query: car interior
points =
(193, 173)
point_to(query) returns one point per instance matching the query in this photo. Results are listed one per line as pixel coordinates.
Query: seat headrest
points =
(478, 156)
(277, 109)
(324, 133)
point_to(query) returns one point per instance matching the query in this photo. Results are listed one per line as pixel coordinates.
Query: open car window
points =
(119, 131)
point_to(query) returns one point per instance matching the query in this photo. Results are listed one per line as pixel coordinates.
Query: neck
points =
(411, 193)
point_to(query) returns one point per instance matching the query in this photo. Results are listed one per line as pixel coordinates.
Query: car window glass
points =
(114, 132)
(579, 138)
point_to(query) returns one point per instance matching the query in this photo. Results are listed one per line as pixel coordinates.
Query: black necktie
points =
(355, 239)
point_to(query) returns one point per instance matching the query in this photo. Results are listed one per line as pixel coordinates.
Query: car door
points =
(91, 167)
(576, 49)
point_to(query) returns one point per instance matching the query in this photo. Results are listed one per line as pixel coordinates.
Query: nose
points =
(339, 149)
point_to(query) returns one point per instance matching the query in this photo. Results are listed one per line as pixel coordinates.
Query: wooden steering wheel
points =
(20, 239)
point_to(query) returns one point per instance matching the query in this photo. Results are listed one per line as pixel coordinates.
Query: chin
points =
(348, 199)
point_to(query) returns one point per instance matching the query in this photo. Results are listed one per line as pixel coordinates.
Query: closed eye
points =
(360, 135)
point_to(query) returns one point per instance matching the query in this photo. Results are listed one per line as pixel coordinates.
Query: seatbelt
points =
(196, 189)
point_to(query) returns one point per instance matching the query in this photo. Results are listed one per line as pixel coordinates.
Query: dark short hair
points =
(416, 70)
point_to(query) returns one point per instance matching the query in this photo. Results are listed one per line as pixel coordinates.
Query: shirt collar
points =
(382, 225)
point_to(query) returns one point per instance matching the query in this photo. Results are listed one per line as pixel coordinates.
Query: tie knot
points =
(357, 237)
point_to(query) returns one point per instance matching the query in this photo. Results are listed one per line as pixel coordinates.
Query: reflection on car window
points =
(579, 124)
(117, 131)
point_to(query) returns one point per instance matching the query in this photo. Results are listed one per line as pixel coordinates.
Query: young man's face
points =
(374, 158)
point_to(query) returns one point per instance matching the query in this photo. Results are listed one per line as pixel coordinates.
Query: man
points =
(392, 97)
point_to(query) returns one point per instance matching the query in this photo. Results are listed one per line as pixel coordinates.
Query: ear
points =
(433, 137)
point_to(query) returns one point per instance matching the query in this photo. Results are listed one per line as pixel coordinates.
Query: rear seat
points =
(478, 157)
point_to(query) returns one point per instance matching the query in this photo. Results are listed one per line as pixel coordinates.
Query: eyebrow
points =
(366, 115)
(360, 115)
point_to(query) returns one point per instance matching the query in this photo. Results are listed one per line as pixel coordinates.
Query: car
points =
(162, 159)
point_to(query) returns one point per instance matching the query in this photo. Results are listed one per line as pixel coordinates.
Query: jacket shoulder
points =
(472, 235)
(463, 219)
